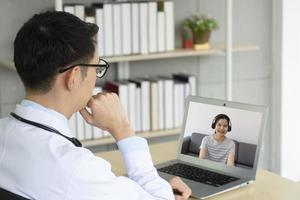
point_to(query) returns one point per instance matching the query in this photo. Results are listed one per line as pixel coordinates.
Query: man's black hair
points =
(48, 42)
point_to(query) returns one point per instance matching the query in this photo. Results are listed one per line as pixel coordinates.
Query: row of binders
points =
(130, 27)
(151, 104)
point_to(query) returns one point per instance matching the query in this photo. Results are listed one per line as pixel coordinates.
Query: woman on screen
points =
(218, 147)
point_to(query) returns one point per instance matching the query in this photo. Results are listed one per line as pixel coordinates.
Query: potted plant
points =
(187, 37)
(202, 26)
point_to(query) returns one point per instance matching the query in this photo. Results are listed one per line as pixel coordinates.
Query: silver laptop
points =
(208, 177)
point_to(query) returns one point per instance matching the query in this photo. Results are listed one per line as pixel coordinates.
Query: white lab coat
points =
(42, 165)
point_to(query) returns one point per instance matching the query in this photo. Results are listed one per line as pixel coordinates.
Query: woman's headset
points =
(218, 117)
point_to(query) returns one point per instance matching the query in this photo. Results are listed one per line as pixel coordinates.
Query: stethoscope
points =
(75, 141)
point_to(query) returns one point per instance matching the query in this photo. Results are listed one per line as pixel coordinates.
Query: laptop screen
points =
(222, 132)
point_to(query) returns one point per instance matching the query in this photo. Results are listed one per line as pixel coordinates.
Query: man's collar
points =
(32, 104)
(35, 112)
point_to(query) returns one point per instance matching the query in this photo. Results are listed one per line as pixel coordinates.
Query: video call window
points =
(222, 134)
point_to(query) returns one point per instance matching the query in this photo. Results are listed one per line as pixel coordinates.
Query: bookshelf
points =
(147, 135)
(215, 50)
(123, 64)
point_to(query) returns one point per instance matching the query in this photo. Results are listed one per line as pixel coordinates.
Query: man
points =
(56, 57)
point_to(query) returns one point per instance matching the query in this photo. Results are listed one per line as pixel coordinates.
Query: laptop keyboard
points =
(197, 174)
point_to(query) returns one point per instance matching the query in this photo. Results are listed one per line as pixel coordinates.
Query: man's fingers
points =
(178, 197)
(181, 187)
(187, 193)
(86, 116)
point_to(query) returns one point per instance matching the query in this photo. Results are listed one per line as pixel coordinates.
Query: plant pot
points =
(187, 44)
(202, 37)
(187, 37)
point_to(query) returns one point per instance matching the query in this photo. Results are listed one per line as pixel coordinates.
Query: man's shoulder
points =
(4, 120)
(5, 125)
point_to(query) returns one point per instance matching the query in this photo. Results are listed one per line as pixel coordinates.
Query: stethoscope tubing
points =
(74, 140)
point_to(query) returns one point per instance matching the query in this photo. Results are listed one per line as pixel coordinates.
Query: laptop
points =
(207, 177)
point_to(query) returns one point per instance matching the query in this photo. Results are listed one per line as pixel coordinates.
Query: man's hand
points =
(180, 189)
(108, 114)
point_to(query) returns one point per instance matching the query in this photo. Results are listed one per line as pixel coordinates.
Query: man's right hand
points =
(108, 114)
(180, 189)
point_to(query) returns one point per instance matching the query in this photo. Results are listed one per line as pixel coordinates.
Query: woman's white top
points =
(217, 151)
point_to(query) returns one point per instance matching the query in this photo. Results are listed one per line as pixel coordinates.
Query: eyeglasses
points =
(100, 71)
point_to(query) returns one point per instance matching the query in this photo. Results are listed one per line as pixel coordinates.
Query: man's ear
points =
(73, 78)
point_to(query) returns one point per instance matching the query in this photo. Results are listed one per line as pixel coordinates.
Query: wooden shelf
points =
(213, 50)
(147, 135)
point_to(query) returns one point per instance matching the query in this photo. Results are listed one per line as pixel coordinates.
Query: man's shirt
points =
(39, 164)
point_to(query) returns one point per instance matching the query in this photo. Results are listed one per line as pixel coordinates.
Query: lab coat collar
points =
(43, 117)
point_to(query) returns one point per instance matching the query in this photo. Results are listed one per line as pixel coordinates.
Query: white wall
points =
(275, 117)
(245, 124)
(290, 107)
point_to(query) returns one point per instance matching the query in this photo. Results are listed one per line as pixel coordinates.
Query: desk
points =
(267, 186)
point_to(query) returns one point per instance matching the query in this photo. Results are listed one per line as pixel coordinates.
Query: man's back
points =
(52, 160)
(40, 164)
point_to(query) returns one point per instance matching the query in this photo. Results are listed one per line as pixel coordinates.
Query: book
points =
(169, 24)
(100, 24)
(58, 5)
(90, 15)
(152, 26)
(117, 31)
(126, 28)
(178, 103)
(154, 109)
(108, 29)
(69, 8)
(168, 93)
(131, 103)
(187, 78)
(186, 90)
(135, 40)
(160, 27)
(181, 104)
(79, 11)
(145, 102)
(143, 25)
(138, 111)
(161, 104)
